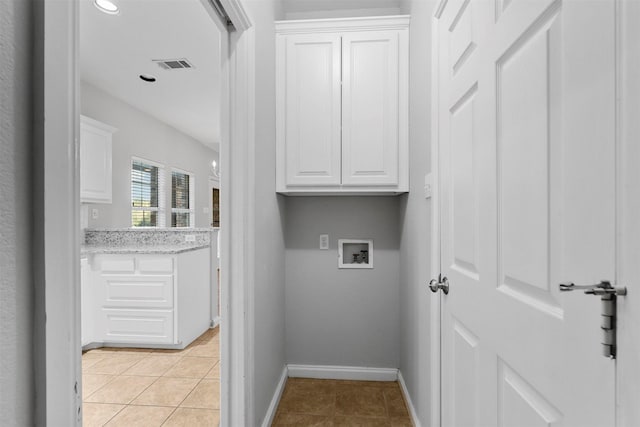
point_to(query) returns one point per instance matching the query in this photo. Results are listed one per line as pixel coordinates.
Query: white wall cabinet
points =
(147, 299)
(342, 106)
(95, 161)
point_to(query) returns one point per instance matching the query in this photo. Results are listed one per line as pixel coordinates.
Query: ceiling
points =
(115, 50)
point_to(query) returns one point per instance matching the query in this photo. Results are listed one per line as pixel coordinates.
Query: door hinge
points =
(608, 296)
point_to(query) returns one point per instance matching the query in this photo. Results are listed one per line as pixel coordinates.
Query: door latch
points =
(439, 283)
(607, 293)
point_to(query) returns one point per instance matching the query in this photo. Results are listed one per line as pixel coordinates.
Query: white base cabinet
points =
(148, 299)
(342, 106)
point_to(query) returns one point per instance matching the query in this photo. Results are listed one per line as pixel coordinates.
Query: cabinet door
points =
(370, 115)
(312, 110)
(95, 161)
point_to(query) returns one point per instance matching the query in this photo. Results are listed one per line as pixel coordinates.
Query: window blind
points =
(146, 194)
(181, 199)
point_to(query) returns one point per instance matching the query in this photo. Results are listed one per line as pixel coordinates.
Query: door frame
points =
(627, 210)
(627, 228)
(436, 298)
(56, 238)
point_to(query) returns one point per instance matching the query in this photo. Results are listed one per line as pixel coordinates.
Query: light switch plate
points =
(324, 241)
(94, 213)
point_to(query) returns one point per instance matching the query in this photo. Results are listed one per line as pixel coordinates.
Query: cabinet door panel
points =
(137, 291)
(370, 119)
(137, 326)
(312, 110)
(95, 161)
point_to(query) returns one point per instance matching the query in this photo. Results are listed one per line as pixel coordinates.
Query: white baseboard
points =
(215, 322)
(273, 406)
(407, 398)
(343, 372)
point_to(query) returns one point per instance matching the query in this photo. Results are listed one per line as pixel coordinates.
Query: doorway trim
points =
(627, 210)
(436, 298)
(56, 241)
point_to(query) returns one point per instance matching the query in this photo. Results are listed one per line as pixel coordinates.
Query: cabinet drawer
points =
(138, 326)
(155, 265)
(117, 265)
(137, 291)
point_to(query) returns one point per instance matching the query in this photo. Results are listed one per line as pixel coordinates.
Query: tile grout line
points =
(114, 415)
(99, 388)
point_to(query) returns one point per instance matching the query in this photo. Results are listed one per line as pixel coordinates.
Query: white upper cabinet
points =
(370, 140)
(342, 106)
(312, 108)
(95, 161)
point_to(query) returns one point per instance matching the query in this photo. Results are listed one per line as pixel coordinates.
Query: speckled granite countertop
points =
(151, 249)
(145, 241)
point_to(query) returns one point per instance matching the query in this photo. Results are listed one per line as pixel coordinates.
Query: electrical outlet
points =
(94, 213)
(189, 238)
(324, 241)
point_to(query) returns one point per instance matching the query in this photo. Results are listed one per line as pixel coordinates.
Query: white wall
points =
(319, 9)
(269, 216)
(17, 381)
(344, 13)
(337, 316)
(415, 217)
(143, 136)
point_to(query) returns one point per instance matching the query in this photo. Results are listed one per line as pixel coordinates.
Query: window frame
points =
(192, 210)
(161, 194)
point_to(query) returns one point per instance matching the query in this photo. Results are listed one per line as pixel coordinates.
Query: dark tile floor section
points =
(329, 403)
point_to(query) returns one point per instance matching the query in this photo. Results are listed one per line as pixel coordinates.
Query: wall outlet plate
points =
(324, 241)
(189, 238)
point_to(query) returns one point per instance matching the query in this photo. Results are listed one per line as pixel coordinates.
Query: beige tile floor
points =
(145, 387)
(332, 403)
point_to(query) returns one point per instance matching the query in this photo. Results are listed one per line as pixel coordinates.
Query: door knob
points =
(436, 284)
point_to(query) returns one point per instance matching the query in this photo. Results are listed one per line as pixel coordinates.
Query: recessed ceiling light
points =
(147, 78)
(107, 6)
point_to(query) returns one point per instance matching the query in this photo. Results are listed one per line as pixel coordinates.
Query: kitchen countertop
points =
(137, 249)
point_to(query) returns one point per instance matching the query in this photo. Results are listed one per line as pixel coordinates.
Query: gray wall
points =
(17, 383)
(269, 216)
(342, 316)
(143, 136)
(415, 218)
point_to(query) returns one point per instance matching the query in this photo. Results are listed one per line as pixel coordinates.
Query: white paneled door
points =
(526, 123)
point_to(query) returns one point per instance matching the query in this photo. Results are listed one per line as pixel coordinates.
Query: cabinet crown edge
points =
(86, 120)
(338, 25)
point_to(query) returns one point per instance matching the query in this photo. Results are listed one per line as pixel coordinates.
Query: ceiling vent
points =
(173, 64)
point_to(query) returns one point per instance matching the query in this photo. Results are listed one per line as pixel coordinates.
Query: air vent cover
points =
(173, 64)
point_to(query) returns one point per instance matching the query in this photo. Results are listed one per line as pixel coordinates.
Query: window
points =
(215, 204)
(182, 212)
(146, 194)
